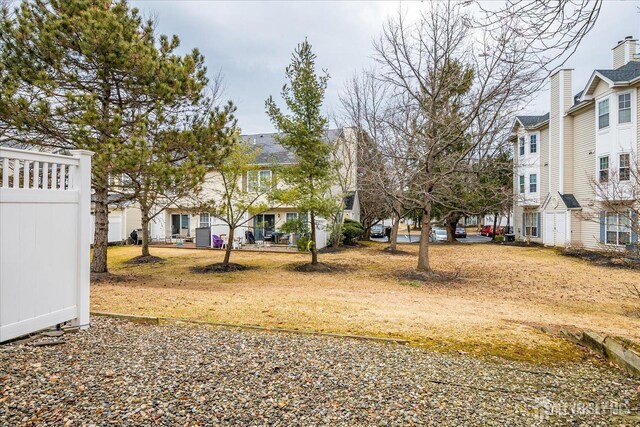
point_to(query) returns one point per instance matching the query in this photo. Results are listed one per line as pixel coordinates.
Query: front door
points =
(264, 226)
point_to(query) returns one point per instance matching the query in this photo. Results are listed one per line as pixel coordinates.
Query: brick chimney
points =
(624, 52)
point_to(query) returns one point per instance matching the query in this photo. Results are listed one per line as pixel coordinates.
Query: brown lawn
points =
(487, 310)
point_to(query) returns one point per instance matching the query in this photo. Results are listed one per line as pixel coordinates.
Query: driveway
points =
(122, 373)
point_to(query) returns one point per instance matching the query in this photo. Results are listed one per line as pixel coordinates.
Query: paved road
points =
(414, 238)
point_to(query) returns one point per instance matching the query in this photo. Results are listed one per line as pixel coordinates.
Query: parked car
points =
(377, 231)
(461, 232)
(487, 230)
(438, 235)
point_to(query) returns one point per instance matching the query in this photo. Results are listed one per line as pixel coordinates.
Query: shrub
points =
(303, 243)
(499, 239)
(351, 231)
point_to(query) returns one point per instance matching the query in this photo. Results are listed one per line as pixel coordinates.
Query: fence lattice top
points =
(33, 170)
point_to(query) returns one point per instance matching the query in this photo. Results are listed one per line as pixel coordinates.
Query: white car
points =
(438, 235)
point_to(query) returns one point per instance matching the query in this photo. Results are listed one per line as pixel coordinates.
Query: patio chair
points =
(237, 243)
(216, 242)
(248, 235)
(224, 240)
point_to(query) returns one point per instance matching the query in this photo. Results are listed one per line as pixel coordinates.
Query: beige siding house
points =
(566, 159)
(174, 222)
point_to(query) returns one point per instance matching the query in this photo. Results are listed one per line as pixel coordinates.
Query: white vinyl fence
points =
(45, 202)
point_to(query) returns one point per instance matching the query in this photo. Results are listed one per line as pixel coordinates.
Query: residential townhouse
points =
(181, 221)
(566, 159)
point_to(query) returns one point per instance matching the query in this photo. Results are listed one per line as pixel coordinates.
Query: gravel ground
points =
(124, 373)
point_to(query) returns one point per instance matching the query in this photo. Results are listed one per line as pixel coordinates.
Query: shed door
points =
(560, 229)
(554, 228)
(549, 225)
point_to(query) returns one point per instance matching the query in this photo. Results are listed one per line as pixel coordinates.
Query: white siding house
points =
(586, 143)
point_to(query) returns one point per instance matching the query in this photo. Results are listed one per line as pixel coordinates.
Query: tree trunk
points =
(227, 252)
(423, 253)
(452, 222)
(395, 226)
(144, 212)
(495, 226)
(101, 234)
(367, 233)
(314, 251)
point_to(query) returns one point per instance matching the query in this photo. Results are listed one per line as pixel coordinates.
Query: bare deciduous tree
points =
(616, 206)
(551, 31)
(455, 92)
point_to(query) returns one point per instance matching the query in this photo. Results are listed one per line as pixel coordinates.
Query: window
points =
(521, 146)
(624, 108)
(617, 229)
(522, 183)
(625, 167)
(531, 220)
(205, 220)
(603, 170)
(292, 216)
(603, 114)
(533, 143)
(533, 183)
(258, 180)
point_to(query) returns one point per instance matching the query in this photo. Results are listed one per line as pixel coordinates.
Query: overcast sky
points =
(251, 43)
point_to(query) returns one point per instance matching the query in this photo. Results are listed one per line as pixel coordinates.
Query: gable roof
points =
(626, 75)
(530, 122)
(272, 152)
(570, 201)
(628, 72)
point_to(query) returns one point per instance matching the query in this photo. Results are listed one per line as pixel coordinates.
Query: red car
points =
(487, 230)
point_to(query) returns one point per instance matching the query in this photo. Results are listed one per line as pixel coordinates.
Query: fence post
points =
(82, 183)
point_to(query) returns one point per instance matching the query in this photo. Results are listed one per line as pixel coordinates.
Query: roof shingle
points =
(271, 150)
(531, 121)
(627, 72)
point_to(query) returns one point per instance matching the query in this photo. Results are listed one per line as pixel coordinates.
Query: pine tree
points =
(303, 132)
(90, 74)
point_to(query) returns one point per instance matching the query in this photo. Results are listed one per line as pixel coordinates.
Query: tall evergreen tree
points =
(303, 132)
(88, 74)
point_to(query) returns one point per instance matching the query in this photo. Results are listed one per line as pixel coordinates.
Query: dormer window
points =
(521, 146)
(533, 144)
(624, 108)
(603, 114)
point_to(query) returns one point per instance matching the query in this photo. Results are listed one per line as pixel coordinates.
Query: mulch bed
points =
(149, 259)
(108, 278)
(390, 251)
(320, 267)
(220, 268)
(606, 259)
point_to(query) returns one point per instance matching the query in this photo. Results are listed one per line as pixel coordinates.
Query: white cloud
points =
(252, 42)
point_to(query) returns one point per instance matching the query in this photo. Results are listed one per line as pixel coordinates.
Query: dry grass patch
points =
(490, 294)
